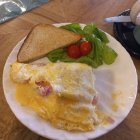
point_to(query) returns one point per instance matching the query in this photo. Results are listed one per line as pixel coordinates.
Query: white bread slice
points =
(44, 38)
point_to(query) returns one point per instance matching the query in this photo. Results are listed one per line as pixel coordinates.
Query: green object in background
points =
(136, 33)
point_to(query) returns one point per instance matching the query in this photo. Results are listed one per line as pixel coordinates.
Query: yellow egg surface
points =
(69, 105)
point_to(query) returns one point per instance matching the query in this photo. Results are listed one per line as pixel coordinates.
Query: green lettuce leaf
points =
(109, 55)
(89, 29)
(85, 59)
(97, 56)
(66, 58)
(74, 27)
(55, 55)
(101, 35)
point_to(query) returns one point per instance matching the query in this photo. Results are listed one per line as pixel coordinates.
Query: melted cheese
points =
(58, 111)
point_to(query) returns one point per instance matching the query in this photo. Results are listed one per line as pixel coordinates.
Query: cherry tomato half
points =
(73, 51)
(85, 47)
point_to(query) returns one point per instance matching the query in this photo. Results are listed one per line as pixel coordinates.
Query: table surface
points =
(57, 11)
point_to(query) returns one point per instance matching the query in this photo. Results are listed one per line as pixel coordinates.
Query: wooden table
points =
(57, 11)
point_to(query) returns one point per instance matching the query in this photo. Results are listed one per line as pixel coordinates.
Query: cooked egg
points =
(69, 103)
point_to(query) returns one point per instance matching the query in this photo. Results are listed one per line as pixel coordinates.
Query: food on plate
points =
(61, 93)
(76, 51)
(68, 43)
(44, 38)
(92, 49)
(73, 51)
(61, 90)
(85, 47)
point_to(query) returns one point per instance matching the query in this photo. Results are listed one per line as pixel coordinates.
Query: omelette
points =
(61, 93)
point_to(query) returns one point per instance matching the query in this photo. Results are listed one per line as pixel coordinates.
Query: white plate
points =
(119, 77)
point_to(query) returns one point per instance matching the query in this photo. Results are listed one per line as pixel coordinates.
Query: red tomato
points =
(85, 47)
(73, 51)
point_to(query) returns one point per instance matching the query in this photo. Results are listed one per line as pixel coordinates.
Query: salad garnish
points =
(93, 49)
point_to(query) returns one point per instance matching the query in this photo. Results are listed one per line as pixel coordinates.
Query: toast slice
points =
(44, 38)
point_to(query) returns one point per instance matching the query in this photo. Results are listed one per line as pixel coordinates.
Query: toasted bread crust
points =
(44, 38)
